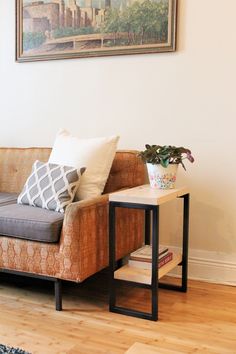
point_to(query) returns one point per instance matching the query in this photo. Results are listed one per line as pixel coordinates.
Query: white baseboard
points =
(213, 267)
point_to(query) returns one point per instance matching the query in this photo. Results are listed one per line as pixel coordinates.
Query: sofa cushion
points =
(31, 223)
(96, 154)
(7, 198)
(50, 186)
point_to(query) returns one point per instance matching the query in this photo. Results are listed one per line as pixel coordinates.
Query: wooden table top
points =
(146, 195)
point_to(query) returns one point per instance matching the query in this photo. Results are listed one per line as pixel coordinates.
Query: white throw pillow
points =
(96, 154)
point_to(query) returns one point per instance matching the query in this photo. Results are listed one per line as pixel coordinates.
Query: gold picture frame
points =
(65, 29)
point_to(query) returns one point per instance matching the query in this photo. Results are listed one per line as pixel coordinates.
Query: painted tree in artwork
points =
(127, 19)
(113, 22)
(143, 22)
(33, 40)
(144, 19)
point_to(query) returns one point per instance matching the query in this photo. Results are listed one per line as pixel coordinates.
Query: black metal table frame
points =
(151, 214)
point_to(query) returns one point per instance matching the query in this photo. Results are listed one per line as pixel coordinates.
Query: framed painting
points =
(60, 29)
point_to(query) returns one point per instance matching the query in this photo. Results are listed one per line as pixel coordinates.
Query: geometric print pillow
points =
(50, 186)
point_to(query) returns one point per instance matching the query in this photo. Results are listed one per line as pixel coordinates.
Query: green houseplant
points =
(162, 163)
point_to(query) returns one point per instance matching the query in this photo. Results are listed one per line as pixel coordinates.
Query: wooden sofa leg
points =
(58, 294)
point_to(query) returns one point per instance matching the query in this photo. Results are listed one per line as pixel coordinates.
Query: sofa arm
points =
(84, 239)
(76, 208)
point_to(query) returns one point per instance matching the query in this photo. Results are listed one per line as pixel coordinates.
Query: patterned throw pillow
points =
(50, 186)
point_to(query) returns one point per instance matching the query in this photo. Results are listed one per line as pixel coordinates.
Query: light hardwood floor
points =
(201, 321)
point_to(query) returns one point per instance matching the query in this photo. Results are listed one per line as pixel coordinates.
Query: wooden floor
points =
(201, 321)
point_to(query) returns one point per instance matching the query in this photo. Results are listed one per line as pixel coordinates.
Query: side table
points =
(149, 199)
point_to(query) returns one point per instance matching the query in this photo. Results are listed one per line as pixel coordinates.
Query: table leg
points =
(147, 226)
(112, 252)
(184, 263)
(155, 251)
(185, 242)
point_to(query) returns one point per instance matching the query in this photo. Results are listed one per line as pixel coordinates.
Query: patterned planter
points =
(161, 177)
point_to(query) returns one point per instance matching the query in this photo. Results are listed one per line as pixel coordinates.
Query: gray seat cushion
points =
(30, 223)
(7, 198)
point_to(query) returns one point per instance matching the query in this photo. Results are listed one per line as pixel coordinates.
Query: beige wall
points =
(185, 98)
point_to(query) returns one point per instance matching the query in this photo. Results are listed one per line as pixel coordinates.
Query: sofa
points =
(81, 248)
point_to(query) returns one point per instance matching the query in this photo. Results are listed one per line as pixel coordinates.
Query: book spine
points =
(163, 251)
(165, 260)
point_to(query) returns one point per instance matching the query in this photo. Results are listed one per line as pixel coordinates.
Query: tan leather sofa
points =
(83, 246)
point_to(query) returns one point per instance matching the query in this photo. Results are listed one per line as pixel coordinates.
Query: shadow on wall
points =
(171, 216)
(212, 228)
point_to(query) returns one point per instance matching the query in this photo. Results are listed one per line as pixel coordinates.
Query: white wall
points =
(184, 98)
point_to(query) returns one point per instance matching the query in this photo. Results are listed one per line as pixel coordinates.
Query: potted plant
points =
(162, 163)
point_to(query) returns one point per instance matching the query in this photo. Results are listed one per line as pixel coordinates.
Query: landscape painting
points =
(58, 29)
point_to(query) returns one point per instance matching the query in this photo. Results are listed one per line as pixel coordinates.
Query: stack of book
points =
(142, 258)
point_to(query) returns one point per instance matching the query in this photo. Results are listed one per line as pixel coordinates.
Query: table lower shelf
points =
(143, 276)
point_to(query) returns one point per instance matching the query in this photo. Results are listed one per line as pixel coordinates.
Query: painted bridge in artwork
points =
(81, 40)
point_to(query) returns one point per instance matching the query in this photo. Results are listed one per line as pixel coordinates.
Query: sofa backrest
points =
(127, 171)
(15, 166)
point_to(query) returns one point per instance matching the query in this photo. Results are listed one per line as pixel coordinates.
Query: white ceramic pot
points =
(161, 177)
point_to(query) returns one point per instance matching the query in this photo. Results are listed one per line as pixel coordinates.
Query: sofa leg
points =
(58, 294)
